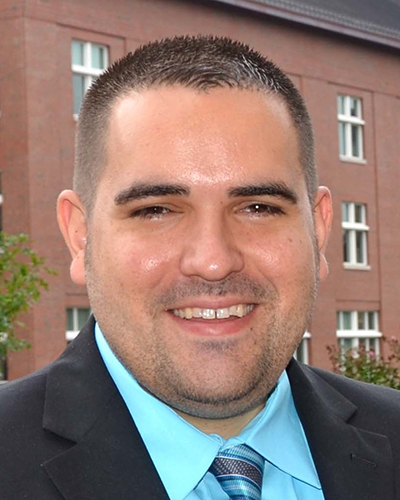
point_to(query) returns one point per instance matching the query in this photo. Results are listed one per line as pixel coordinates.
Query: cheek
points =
(145, 264)
(152, 264)
(284, 260)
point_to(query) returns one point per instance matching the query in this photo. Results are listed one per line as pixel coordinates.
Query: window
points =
(358, 328)
(355, 229)
(351, 127)
(76, 318)
(301, 353)
(89, 60)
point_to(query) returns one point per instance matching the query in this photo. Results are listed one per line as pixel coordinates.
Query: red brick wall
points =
(37, 134)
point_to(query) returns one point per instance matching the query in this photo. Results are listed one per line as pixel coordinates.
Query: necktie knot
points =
(239, 471)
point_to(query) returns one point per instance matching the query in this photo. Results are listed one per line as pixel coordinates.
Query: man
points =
(198, 226)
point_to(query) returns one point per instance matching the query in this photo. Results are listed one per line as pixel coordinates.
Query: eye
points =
(261, 209)
(152, 213)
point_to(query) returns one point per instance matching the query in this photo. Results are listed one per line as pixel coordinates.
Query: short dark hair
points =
(198, 62)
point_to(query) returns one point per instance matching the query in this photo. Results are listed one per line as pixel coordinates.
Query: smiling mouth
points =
(237, 310)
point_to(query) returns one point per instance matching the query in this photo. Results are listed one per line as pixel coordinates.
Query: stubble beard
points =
(279, 339)
(158, 373)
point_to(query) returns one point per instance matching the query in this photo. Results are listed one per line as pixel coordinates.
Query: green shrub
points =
(20, 287)
(363, 365)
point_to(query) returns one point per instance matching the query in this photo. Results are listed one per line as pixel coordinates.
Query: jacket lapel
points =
(107, 458)
(352, 463)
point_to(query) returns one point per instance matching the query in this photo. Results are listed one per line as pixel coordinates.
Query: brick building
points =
(345, 58)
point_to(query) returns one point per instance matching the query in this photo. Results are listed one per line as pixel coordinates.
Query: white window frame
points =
(355, 334)
(86, 70)
(304, 347)
(71, 334)
(351, 227)
(350, 122)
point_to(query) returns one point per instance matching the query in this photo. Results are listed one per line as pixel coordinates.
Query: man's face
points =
(202, 255)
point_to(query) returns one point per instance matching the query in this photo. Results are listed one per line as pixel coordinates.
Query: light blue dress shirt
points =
(182, 454)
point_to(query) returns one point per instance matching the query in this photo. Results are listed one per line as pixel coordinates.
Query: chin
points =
(218, 410)
(216, 402)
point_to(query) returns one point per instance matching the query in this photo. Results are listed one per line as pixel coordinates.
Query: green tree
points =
(20, 286)
(366, 366)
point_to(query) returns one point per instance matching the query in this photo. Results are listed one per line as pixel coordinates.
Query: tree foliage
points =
(366, 366)
(20, 286)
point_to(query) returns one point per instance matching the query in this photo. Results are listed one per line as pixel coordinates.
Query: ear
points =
(72, 222)
(323, 214)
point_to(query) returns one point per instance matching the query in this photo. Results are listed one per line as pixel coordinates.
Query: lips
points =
(236, 310)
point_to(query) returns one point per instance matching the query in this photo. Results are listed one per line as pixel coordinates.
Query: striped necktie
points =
(239, 471)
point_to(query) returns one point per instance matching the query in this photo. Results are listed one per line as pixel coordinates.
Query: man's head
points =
(202, 251)
(199, 63)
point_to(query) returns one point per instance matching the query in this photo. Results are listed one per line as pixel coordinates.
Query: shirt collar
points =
(277, 434)
(175, 445)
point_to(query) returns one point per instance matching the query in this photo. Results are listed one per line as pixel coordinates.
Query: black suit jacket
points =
(65, 433)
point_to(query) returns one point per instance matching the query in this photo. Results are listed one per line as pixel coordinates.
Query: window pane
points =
(340, 103)
(346, 344)
(345, 212)
(342, 138)
(363, 343)
(346, 320)
(361, 320)
(78, 82)
(355, 107)
(355, 141)
(98, 57)
(77, 53)
(360, 247)
(371, 321)
(359, 213)
(346, 246)
(374, 345)
(83, 315)
(70, 319)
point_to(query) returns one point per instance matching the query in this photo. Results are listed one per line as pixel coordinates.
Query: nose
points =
(211, 250)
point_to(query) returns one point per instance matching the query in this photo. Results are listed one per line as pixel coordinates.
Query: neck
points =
(227, 427)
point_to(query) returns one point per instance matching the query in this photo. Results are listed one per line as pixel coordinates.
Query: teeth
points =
(208, 314)
(196, 312)
(223, 313)
(238, 310)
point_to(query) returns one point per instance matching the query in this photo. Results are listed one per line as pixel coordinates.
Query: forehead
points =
(213, 136)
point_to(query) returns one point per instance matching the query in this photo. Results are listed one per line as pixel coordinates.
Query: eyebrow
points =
(140, 191)
(276, 189)
(143, 190)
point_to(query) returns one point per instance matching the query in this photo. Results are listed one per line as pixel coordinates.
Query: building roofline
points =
(324, 24)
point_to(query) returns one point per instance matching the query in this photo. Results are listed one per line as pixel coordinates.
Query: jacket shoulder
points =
(18, 395)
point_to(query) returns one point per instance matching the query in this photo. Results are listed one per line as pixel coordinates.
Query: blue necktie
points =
(239, 472)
